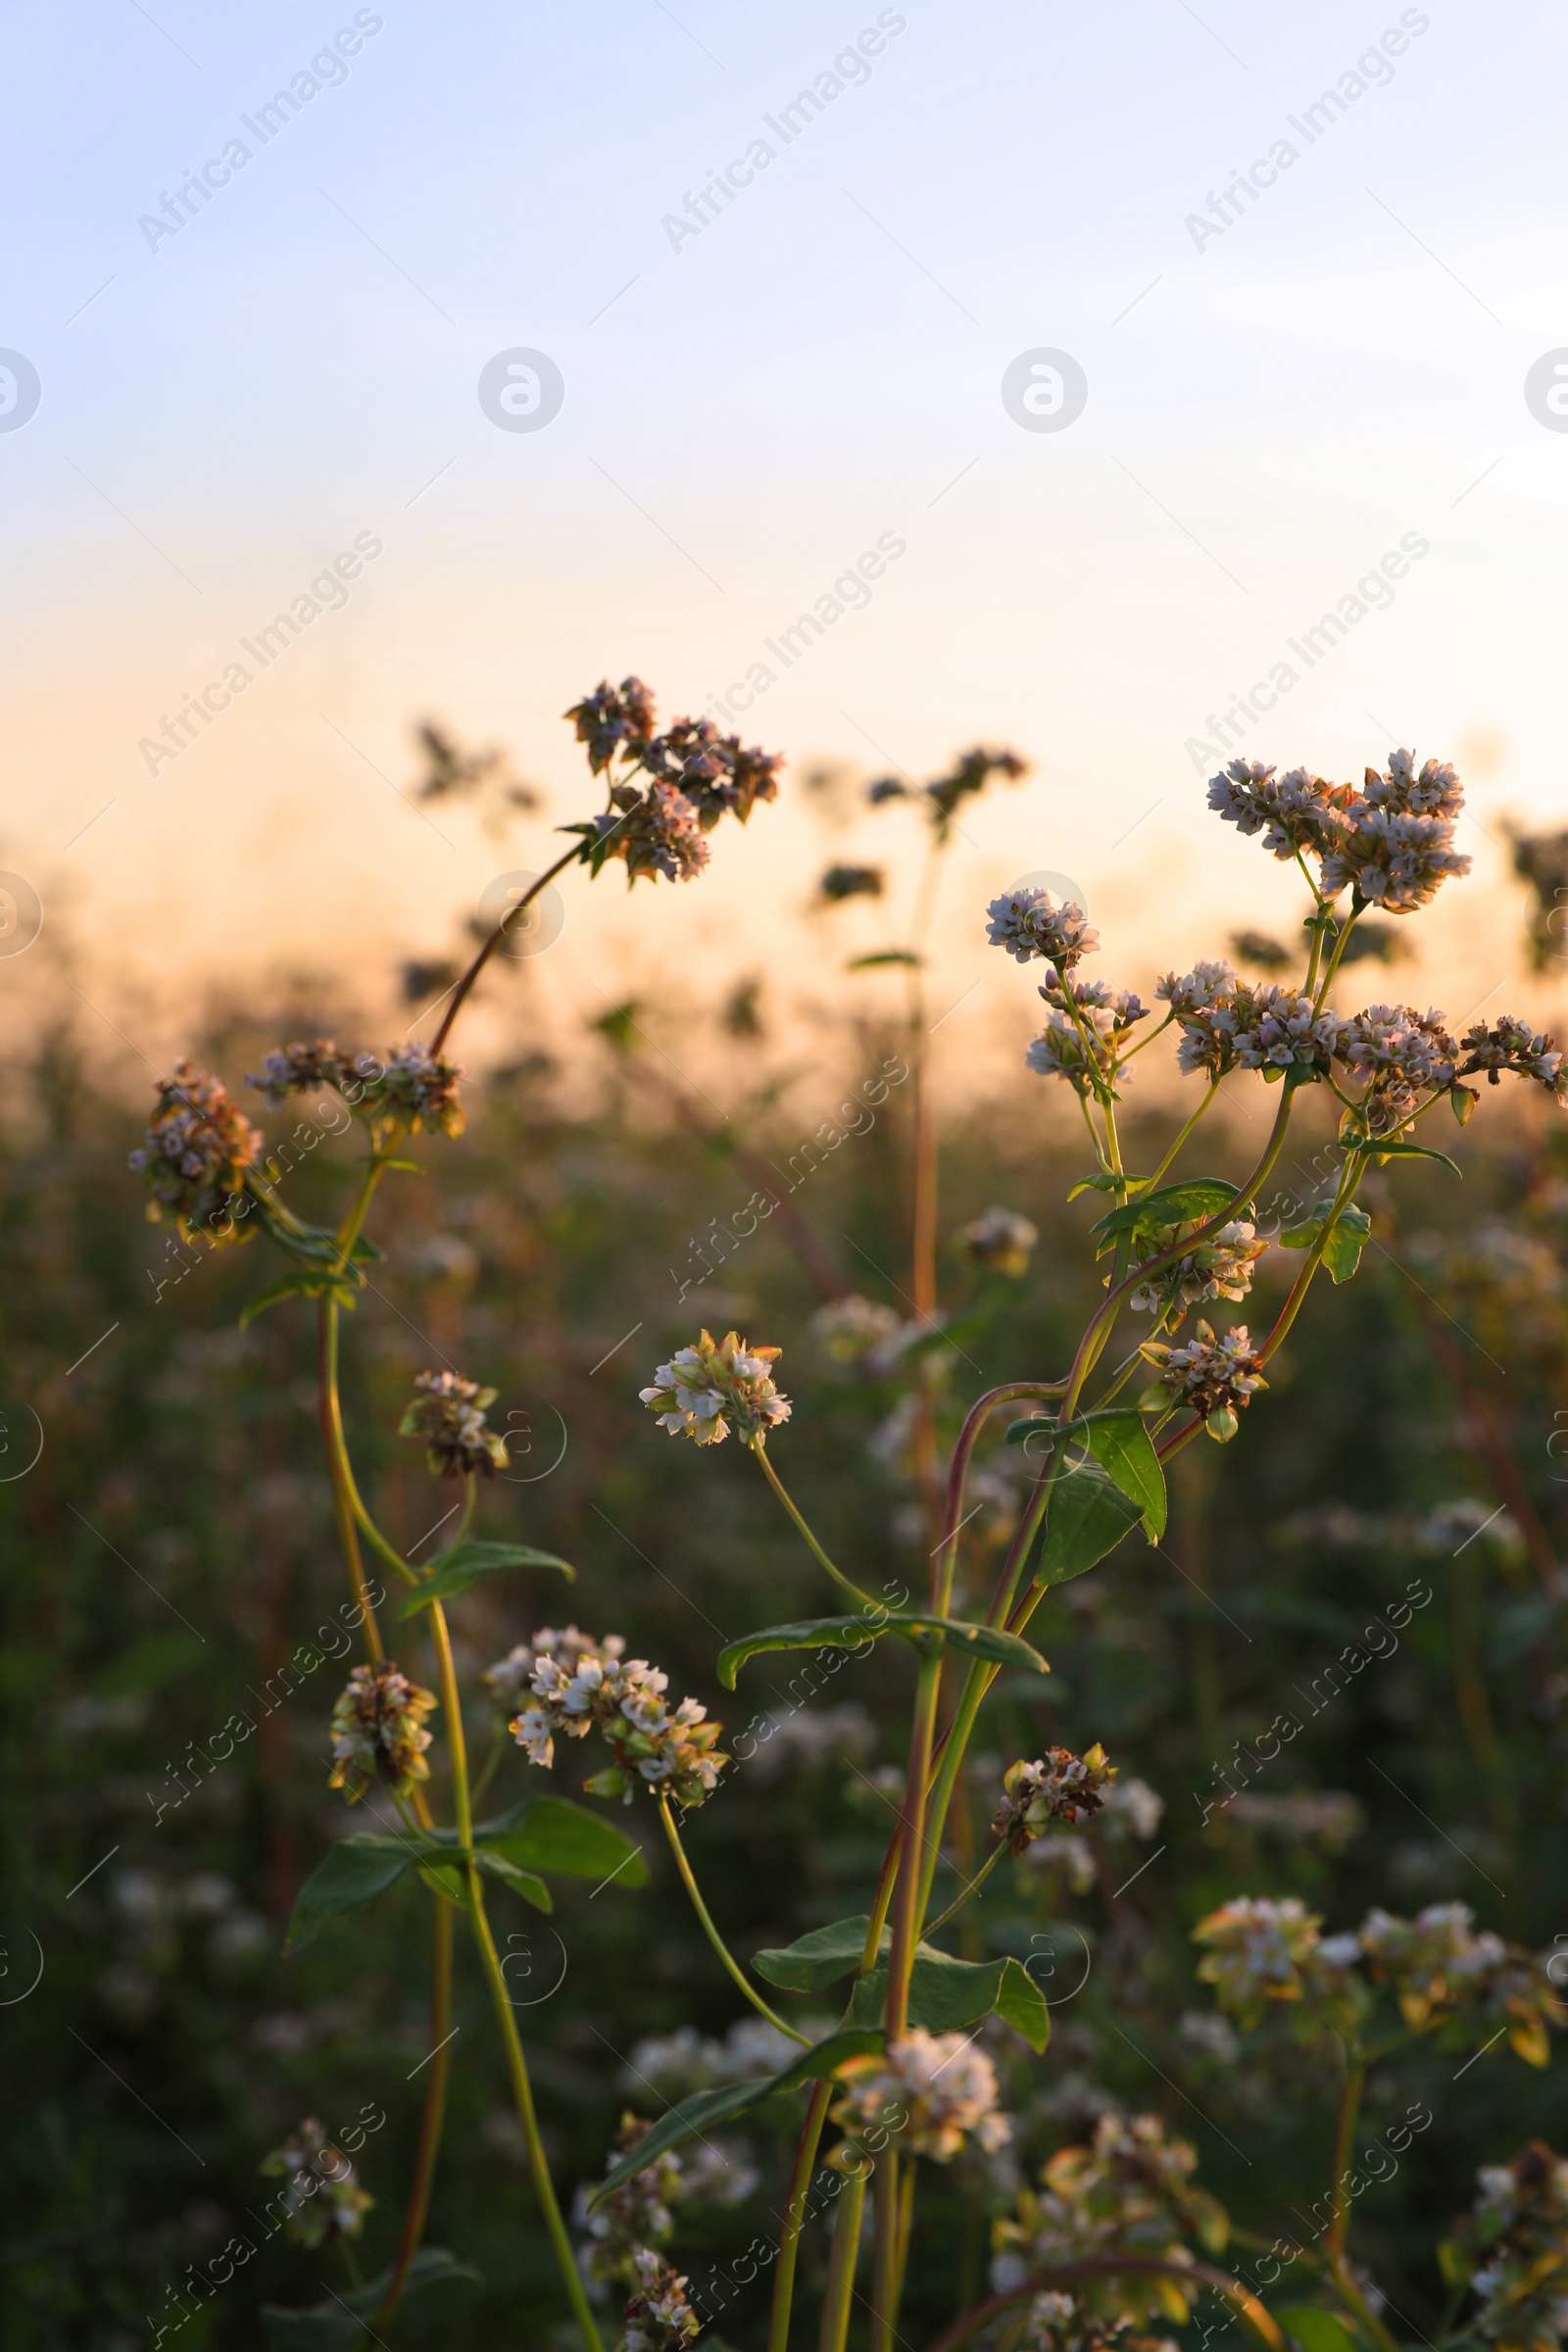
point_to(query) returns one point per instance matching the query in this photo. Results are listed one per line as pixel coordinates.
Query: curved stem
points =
(978, 1881)
(342, 1478)
(837, 1574)
(732, 1965)
(959, 1470)
(461, 992)
(516, 2064)
(1253, 2315)
(805, 2147)
(417, 2208)
(1349, 1185)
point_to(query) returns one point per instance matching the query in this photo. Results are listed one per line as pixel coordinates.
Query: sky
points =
(991, 305)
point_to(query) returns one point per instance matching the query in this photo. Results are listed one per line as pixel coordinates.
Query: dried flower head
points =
(1001, 1239)
(659, 2318)
(656, 832)
(195, 1152)
(378, 1732)
(1512, 2248)
(322, 2201)
(449, 1414)
(1209, 1374)
(707, 1386)
(1058, 1786)
(942, 2085)
(1028, 922)
(575, 1685)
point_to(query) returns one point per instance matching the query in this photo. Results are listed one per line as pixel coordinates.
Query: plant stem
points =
(1343, 2133)
(805, 2147)
(517, 2065)
(978, 1881)
(840, 2296)
(909, 1906)
(434, 2115)
(689, 1881)
(1183, 1131)
(342, 1478)
(837, 1574)
(460, 993)
(885, 2254)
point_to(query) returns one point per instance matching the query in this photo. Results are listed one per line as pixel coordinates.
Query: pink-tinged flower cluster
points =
(654, 832)
(1391, 841)
(1219, 1267)
(1401, 1056)
(705, 1388)
(1057, 1787)
(196, 1150)
(1512, 1044)
(659, 2318)
(615, 721)
(1227, 1023)
(942, 2085)
(1210, 1374)
(577, 1684)
(1085, 1030)
(449, 1414)
(413, 1086)
(693, 776)
(1029, 923)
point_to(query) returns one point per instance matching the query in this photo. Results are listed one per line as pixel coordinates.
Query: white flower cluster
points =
(1512, 1044)
(658, 2317)
(1029, 923)
(578, 1684)
(1001, 1240)
(1210, 1374)
(1401, 1053)
(1393, 841)
(853, 1332)
(685, 2060)
(942, 2084)
(1220, 1267)
(1294, 812)
(704, 1388)
(1084, 1048)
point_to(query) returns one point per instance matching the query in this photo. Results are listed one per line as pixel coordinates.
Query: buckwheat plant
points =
(1116, 2238)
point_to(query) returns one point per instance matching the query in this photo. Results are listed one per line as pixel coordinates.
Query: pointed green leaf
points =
(1185, 1204)
(947, 1994)
(336, 2325)
(692, 2117)
(866, 963)
(497, 1864)
(355, 1872)
(455, 1570)
(821, 1958)
(849, 1633)
(1122, 1446)
(1020, 2004)
(553, 1836)
(1342, 1253)
(304, 1282)
(1102, 1181)
(1088, 1516)
(1382, 1151)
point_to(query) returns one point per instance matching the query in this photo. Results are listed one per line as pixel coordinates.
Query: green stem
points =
(517, 2065)
(417, 2208)
(1182, 1133)
(342, 1478)
(907, 1904)
(885, 2253)
(733, 1966)
(1349, 1185)
(1333, 965)
(864, 1599)
(805, 2147)
(977, 1882)
(840, 2296)
(1343, 2133)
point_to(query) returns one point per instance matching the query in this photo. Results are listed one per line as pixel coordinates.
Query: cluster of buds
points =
(1057, 1787)
(659, 2318)
(1055, 2323)
(1391, 841)
(1128, 2191)
(705, 1388)
(654, 832)
(937, 2090)
(1029, 922)
(1219, 1267)
(1401, 1055)
(1001, 1241)
(693, 775)
(378, 1732)
(1513, 2249)
(840, 882)
(1214, 1378)
(196, 1150)
(615, 721)
(449, 1414)
(1084, 1031)
(412, 1089)
(323, 2201)
(1512, 1044)
(577, 1684)
(635, 2216)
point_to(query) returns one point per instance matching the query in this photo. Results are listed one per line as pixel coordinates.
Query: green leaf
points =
(1315, 2329)
(1342, 1254)
(355, 1872)
(1122, 1446)
(848, 1632)
(551, 1834)
(307, 1282)
(1185, 1204)
(946, 1995)
(1382, 1151)
(448, 1880)
(692, 2117)
(1102, 1181)
(821, 1958)
(866, 963)
(1088, 1516)
(498, 1865)
(315, 1245)
(336, 2325)
(455, 1570)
